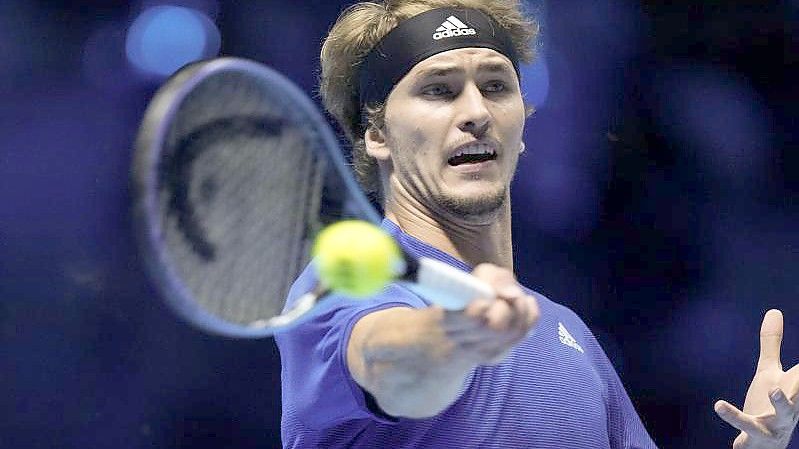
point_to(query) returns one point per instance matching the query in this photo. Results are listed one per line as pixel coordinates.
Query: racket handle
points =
(447, 286)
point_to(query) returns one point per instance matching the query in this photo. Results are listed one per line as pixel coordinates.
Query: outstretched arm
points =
(415, 361)
(771, 408)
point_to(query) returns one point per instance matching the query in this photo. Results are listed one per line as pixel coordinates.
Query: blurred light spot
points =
(165, 38)
(535, 82)
(719, 116)
(535, 75)
(208, 7)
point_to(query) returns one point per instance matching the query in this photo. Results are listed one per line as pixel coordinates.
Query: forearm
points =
(406, 361)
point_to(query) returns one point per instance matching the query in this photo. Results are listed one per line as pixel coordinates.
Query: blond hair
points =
(363, 25)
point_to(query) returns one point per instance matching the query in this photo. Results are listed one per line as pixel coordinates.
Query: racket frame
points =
(150, 142)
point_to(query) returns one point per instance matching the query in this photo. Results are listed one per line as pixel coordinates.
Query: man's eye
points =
(436, 90)
(494, 86)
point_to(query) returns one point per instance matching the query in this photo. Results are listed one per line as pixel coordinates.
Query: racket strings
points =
(245, 179)
(240, 227)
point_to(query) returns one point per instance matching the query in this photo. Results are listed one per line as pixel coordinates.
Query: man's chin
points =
(482, 208)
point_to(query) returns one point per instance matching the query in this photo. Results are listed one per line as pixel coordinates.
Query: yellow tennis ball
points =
(356, 258)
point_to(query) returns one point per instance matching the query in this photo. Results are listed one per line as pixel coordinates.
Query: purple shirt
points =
(556, 389)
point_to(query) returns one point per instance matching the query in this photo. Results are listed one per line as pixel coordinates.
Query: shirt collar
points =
(418, 248)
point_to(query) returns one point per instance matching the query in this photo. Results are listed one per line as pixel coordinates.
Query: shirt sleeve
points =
(318, 389)
(625, 428)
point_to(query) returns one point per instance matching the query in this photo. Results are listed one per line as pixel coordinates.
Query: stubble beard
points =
(482, 208)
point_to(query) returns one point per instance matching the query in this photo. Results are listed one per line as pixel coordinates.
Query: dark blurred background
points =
(657, 198)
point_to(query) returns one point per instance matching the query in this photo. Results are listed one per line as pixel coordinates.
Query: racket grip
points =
(447, 286)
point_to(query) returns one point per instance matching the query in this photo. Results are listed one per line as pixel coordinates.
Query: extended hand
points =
(486, 331)
(769, 417)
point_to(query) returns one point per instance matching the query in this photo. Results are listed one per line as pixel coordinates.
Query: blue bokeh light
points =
(535, 75)
(165, 38)
(535, 82)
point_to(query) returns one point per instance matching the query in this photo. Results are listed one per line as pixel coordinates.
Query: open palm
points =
(771, 408)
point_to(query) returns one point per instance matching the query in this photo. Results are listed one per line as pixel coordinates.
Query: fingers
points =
(515, 309)
(769, 427)
(477, 308)
(533, 312)
(770, 340)
(500, 279)
(791, 388)
(488, 328)
(500, 316)
(738, 419)
(526, 312)
(782, 405)
(520, 310)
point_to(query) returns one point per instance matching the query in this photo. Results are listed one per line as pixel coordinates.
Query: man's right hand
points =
(488, 328)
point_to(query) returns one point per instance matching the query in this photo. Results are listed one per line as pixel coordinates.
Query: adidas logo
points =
(453, 27)
(567, 339)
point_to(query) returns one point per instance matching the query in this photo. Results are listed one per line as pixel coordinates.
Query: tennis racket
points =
(235, 172)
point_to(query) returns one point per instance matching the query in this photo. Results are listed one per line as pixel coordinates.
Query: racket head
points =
(235, 171)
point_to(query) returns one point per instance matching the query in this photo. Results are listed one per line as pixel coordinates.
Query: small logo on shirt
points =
(567, 339)
(453, 27)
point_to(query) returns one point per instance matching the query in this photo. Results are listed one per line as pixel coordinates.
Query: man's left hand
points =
(771, 408)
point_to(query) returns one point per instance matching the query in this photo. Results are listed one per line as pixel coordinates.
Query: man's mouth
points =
(472, 154)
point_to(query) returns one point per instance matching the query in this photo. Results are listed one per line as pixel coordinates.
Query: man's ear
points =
(376, 146)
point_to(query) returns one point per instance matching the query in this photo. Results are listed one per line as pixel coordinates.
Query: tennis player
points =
(428, 93)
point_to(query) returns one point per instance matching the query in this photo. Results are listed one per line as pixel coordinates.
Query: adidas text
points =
(452, 27)
(452, 33)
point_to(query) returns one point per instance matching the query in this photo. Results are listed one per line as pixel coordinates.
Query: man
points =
(428, 92)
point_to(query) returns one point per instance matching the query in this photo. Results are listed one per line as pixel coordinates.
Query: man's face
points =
(453, 131)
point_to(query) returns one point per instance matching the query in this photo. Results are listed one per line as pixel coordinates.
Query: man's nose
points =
(474, 115)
